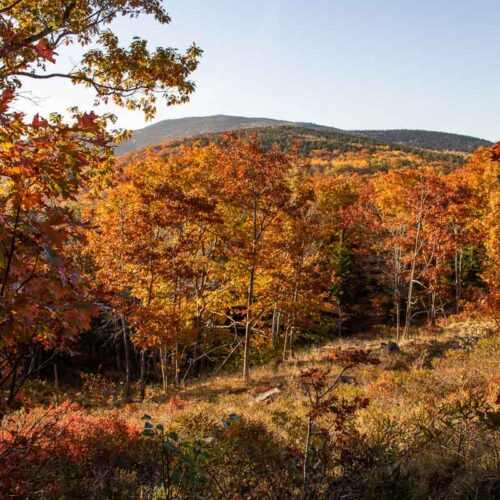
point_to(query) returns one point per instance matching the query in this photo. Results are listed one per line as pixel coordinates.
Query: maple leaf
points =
(5, 98)
(39, 122)
(87, 120)
(43, 50)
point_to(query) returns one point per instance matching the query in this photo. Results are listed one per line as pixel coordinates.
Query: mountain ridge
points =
(182, 128)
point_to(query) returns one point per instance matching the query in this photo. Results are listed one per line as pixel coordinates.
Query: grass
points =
(430, 430)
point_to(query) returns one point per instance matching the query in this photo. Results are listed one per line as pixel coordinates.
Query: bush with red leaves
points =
(65, 452)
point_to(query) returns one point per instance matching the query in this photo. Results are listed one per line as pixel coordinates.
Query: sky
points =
(352, 64)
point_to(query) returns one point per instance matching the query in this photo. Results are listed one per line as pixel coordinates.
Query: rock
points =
(346, 379)
(391, 347)
(263, 396)
(232, 417)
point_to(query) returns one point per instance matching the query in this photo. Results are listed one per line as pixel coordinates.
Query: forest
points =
(275, 312)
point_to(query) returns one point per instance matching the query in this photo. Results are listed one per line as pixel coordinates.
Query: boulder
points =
(346, 379)
(263, 396)
(391, 347)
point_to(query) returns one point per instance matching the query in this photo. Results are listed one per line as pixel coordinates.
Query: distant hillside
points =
(168, 130)
(329, 150)
(438, 141)
(182, 128)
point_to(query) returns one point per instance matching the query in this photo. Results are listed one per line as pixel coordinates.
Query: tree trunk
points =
(248, 326)
(197, 362)
(458, 278)
(305, 472)
(250, 297)
(143, 373)
(176, 365)
(397, 289)
(398, 318)
(274, 328)
(11, 252)
(293, 315)
(285, 342)
(339, 311)
(433, 309)
(278, 326)
(412, 280)
(164, 370)
(126, 387)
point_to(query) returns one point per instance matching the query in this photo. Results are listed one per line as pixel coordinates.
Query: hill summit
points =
(181, 128)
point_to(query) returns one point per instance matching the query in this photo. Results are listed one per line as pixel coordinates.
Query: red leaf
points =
(495, 152)
(87, 120)
(39, 122)
(44, 51)
(5, 98)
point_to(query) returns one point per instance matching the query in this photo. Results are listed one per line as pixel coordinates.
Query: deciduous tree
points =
(255, 192)
(46, 163)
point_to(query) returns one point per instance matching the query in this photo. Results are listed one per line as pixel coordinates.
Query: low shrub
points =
(66, 452)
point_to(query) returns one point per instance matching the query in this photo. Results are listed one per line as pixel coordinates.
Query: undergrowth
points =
(420, 422)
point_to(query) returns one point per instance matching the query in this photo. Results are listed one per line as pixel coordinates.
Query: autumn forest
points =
(279, 311)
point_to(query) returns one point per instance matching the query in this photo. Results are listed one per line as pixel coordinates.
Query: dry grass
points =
(423, 353)
(424, 434)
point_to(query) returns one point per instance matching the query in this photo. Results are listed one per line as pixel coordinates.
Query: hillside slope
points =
(182, 128)
(421, 422)
(330, 150)
(438, 141)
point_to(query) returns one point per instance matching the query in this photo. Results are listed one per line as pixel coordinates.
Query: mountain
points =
(329, 151)
(181, 128)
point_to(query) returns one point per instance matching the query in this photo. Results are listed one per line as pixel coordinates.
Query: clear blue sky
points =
(351, 64)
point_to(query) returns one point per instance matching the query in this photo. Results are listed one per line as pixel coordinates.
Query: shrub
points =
(65, 452)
